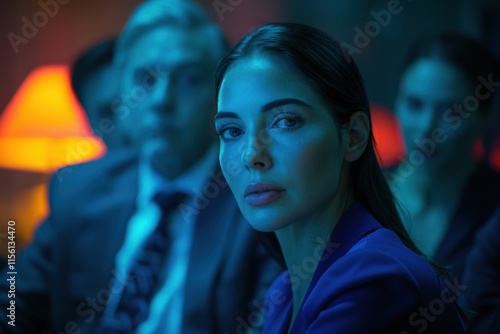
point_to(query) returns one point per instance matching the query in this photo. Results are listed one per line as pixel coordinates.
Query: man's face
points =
(97, 95)
(167, 85)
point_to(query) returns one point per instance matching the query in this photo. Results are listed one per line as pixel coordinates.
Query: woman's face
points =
(281, 151)
(435, 106)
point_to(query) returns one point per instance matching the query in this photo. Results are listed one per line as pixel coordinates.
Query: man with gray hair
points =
(148, 240)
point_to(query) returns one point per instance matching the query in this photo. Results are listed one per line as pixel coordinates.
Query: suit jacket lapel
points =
(207, 252)
(112, 203)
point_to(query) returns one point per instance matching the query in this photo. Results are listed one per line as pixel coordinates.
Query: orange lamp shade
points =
(44, 127)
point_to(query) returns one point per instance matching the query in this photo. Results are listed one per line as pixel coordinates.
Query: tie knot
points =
(168, 201)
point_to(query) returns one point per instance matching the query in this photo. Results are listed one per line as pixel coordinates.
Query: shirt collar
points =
(151, 182)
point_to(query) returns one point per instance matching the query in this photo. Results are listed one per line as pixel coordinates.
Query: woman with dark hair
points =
(444, 106)
(297, 151)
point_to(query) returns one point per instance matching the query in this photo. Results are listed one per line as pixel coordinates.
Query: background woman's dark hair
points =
(329, 68)
(471, 56)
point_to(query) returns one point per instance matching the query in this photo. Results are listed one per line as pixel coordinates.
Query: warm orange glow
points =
(23, 198)
(388, 136)
(47, 154)
(43, 127)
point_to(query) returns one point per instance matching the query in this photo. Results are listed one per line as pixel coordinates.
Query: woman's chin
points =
(264, 224)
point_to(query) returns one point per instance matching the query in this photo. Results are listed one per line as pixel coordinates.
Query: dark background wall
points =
(77, 24)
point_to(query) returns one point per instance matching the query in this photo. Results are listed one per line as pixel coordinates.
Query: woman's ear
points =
(358, 133)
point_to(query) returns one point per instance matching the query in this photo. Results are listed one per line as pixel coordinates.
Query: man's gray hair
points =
(152, 14)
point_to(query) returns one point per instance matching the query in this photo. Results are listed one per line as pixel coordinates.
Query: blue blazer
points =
(367, 281)
(65, 275)
(482, 277)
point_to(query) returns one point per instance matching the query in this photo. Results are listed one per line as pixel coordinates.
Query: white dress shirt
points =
(165, 315)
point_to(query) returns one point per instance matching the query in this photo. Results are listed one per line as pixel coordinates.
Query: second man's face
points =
(167, 87)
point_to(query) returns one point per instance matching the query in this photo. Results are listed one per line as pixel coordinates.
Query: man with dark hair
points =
(95, 86)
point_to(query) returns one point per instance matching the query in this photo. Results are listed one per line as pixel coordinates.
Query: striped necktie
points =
(136, 296)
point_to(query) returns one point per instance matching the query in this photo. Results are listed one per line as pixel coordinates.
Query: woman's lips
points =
(262, 193)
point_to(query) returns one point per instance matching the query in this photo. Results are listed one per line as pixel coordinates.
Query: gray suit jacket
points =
(66, 275)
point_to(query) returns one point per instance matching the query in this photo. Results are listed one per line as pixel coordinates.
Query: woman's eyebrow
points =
(225, 114)
(282, 102)
(268, 106)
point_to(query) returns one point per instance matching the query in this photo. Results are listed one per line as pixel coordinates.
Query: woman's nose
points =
(255, 155)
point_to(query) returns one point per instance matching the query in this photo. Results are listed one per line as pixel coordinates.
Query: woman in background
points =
(443, 105)
(297, 151)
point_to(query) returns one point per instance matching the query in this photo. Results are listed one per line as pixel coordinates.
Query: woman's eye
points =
(414, 104)
(287, 122)
(230, 133)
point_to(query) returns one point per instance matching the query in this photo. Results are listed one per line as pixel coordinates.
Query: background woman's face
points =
(280, 147)
(435, 108)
